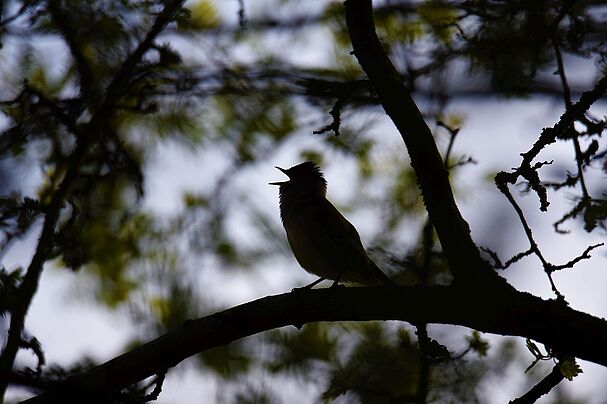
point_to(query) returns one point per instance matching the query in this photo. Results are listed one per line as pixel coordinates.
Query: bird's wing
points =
(322, 240)
(353, 260)
(341, 229)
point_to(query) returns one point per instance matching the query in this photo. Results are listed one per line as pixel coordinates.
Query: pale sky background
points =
(494, 132)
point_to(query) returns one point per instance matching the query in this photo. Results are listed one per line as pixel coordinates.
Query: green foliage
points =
(398, 28)
(378, 368)
(441, 17)
(178, 302)
(226, 361)
(569, 368)
(477, 344)
(404, 195)
(252, 124)
(298, 350)
(192, 200)
(200, 15)
(514, 46)
(110, 250)
(312, 155)
(178, 118)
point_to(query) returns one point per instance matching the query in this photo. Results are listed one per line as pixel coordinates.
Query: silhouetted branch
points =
(572, 113)
(140, 396)
(584, 256)
(503, 187)
(578, 208)
(453, 231)
(567, 98)
(336, 114)
(548, 136)
(497, 263)
(28, 379)
(34, 345)
(543, 387)
(550, 323)
(29, 285)
(452, 135)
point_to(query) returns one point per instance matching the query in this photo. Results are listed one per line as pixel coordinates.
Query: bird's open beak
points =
(281, 182)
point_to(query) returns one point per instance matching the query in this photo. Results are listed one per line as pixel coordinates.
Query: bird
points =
(323, 241)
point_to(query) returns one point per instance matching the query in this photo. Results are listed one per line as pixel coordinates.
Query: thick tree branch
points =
(507, 313)
(453, 231)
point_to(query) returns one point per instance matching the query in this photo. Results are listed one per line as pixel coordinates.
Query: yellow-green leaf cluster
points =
(202, 15)
(440, 17)
(569, 368)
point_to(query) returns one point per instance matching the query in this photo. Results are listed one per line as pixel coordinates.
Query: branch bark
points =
(513, 313)
(433, 179)
(541, 388)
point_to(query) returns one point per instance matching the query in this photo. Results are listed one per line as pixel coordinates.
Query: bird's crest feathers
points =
(304, 179)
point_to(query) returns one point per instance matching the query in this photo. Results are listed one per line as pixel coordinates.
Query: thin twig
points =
(584, 256)
(533, 245)
(567, 99)
(543, 387)
(336, 114)
(497, 263)
(452, 135)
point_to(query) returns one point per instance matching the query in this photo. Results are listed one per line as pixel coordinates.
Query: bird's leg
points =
(310, 286)
(316, 282)
(336, 281)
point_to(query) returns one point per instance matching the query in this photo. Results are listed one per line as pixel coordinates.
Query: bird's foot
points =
(310, 286)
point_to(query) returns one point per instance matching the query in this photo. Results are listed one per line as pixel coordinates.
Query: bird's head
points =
(305, 179)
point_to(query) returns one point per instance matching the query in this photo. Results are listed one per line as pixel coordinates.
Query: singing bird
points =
(324, 242)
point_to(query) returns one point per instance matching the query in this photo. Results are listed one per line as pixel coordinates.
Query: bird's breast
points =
(311, 245)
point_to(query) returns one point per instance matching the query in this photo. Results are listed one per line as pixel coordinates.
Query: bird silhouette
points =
(324, 242)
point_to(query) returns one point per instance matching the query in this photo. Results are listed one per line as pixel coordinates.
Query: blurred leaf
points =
(192, 200)
(394, 28)
(178, 303)
(312, 155)
(226, 250)
(174, 120)
(477, 344)
(108, 248)
(226, 361)
(298, 349)
(376, 370)
(202, 15)
(441, 17)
